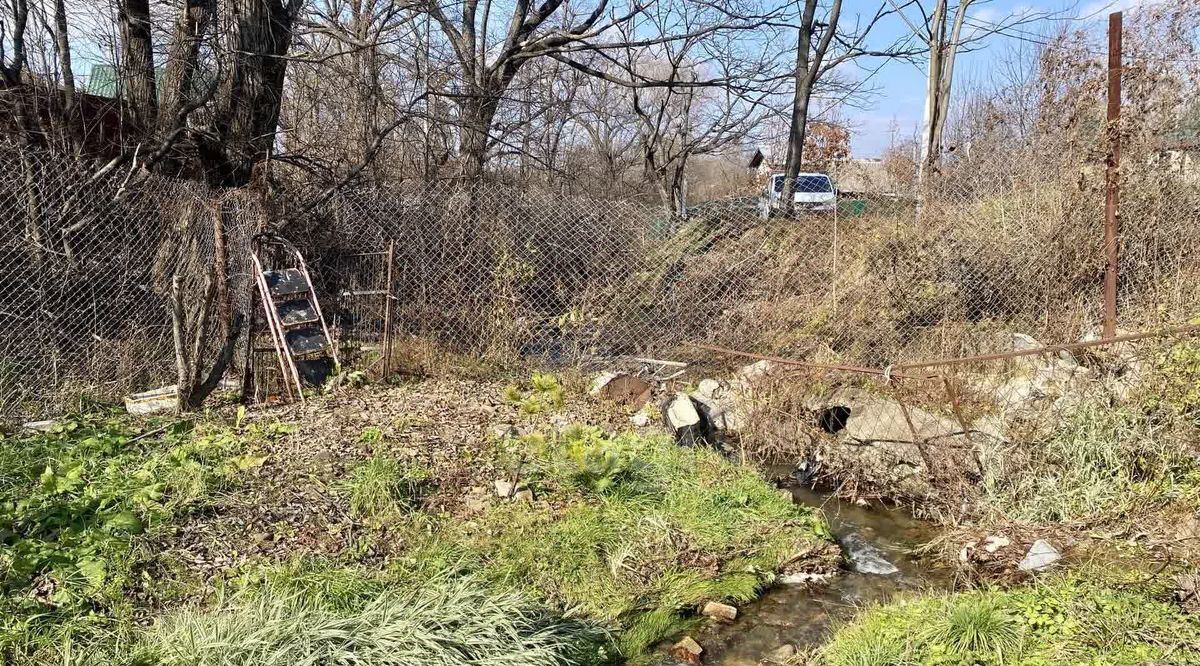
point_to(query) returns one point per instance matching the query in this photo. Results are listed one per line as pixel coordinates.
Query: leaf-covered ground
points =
(115, 533)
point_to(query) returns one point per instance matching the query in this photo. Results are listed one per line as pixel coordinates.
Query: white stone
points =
(803, 578)
(503, 488)
(681, 412)
(708, 388)
(757, 370)
(1041, 555)
(994, 543)
(640, 420)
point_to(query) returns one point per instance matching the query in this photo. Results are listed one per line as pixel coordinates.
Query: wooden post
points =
(1112, 176)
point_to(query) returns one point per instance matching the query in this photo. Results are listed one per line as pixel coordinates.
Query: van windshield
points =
(815, 183)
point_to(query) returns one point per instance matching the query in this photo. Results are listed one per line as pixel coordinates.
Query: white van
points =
(813, 193)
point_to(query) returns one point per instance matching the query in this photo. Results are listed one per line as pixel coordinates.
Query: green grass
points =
(442, 622)
(1073, 619)
(1100, 461)
(383, 487)
(628, 536)
(637, 531)
(77, 508)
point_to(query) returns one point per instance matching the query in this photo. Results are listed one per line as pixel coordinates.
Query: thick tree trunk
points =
(139, 91)
(73, 129)
(476, 116)
(800, 101)
(13, 69)
(179, 86)
(246, 112)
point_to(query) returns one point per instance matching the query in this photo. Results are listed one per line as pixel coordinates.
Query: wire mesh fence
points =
(865, 264)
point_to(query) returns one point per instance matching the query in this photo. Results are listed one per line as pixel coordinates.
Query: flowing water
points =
(876, 544)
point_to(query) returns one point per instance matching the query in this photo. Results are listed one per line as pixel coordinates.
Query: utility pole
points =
(1112, 175)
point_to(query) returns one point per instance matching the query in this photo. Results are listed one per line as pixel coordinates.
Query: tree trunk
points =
(73, 121)
(13, 70)
(246, 111)
(476, 116)
(138, 88)
(800, 101)
(179, 80)
(938, 85)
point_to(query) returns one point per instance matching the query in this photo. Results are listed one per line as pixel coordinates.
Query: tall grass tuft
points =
(443, 623)
(384, 486)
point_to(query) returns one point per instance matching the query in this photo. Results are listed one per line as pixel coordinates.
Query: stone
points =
(474, 504)
(994, 543)
(39, 426)
(757, 370)
(504, 488)
(722, 404)
(1023, 342)
(1041, 555)
(863, 417)
(780, 655)
(163, 399)
(640, 420)
(708, 387)
(719, 611)
(524, 496)
(688, 650)
(601, 381)
(626, 390)
(681, 413)
(964, 553)
(866, 558)
(505, 431)
(803, 578)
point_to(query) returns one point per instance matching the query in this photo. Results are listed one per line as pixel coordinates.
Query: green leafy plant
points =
(370, 435)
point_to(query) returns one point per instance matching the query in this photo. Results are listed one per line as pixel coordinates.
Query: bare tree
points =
(822, 45)
(139, 91)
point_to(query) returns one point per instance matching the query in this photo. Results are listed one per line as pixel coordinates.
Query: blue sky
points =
(899, 101)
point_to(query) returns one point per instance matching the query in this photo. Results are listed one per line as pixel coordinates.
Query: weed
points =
(74, 504)
(543, 391)
(370, 436)
(637, 519)
(383, 486)
(1100, 460)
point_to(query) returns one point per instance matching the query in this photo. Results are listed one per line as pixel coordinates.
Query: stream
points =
(875, 542)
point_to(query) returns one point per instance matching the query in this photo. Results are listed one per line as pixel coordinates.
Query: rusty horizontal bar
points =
(816, 366)
(1132, 337)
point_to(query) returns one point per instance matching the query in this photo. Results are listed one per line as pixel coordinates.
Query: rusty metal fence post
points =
(1112, 186)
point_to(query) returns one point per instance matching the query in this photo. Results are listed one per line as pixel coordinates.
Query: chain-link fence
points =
(861, 263)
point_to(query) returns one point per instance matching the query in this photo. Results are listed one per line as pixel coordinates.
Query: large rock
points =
(1041, 555)
(724, 404)
(622, 389)
(866, 418)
